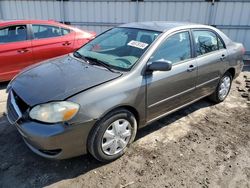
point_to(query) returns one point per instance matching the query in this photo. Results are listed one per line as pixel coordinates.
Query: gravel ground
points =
(203, 145)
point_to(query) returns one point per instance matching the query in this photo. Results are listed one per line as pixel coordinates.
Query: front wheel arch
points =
(126, 107)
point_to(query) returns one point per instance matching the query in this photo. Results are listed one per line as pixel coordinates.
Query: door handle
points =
(191, 68)
(66, 43)
(223, 57)
(21, 51)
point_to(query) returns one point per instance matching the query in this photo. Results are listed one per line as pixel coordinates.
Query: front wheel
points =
(111, 136)
(222, 88)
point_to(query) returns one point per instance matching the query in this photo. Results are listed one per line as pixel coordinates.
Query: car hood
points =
(58, 79)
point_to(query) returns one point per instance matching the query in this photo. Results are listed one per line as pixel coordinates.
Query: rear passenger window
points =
(48, 31)
(13, 34)
(206, 42)
(221, 44)
(175, 49)
(65, 31)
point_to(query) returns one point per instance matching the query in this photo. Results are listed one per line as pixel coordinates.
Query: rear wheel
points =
(112, 135)
(222, 89)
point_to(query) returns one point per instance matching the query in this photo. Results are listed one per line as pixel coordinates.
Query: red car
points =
(25, 42)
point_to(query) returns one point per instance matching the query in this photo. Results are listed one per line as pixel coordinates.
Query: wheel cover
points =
(224, 87)
(116, 137)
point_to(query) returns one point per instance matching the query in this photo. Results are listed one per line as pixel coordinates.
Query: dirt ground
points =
(203, 145)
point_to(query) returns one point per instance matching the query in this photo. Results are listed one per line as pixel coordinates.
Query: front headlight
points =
(54, 112)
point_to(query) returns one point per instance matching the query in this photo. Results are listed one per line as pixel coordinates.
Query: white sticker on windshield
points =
(137, 44)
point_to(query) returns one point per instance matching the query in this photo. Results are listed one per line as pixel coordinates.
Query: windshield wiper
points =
(78, 55)
(99, 62)
(94, 60)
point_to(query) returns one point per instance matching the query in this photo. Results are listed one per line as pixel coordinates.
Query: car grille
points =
(15, 108)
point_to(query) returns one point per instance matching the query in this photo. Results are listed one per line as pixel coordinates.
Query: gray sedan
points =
(95, 99)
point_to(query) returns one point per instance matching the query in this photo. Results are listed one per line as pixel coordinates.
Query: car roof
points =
(161, 26)
(15, 22)
(26, 21)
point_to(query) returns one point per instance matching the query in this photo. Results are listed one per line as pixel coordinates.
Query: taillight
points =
(93, 35)
(243, 50)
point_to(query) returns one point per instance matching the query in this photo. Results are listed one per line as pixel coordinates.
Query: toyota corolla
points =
(95, 99)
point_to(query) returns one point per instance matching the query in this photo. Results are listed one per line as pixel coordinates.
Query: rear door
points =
(15, 51)
(168, 90)
(51, 41)
(211, 58)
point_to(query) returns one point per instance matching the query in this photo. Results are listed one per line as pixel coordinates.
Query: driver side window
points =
(175, 48)
(14, 33)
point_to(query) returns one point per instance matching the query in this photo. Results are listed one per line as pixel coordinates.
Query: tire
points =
(109, 138)
(217, 97)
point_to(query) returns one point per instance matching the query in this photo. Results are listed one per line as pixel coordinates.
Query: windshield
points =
(119, 48)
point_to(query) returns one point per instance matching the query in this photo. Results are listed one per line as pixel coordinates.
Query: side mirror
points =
(161, 65)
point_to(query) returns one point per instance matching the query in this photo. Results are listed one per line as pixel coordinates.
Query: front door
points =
(15, 51)
(168, 90)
